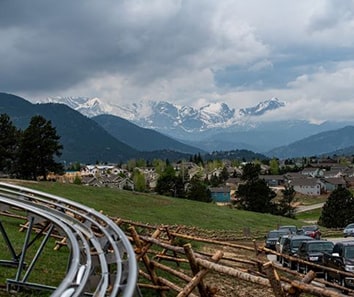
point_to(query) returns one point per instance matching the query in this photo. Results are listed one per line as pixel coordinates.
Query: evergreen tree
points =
(284, 207)
(169, 184)
(337, 212)
(254, 194)
(9, 138)
(251, 172)
(198, 190)
(214, 180)
(39, 144)
(224, 175)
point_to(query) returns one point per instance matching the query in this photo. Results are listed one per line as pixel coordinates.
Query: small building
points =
(273, 180)
(220, 195)
(334, 183)
(307, 186)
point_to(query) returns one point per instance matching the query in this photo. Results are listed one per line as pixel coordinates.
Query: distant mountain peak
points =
(262, 107)
(87, 106)
(168, 117)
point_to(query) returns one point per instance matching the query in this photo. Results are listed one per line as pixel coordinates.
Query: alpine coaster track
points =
(101, 261)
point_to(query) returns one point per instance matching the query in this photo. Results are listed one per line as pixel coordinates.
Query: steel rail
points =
(78, 226)
(71, 234)
(115, 246)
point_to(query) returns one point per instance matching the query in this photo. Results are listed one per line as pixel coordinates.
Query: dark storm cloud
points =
(183, 50)
(53, 44)
(56, 44)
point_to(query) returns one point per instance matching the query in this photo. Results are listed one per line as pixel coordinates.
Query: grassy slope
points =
(155, 209)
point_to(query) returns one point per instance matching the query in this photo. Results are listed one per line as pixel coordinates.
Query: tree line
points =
(29, 153)
(253, 193)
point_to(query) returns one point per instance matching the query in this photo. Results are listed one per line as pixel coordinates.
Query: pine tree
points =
(9, 138)
(39, 144)
(198, 190)
(284, 207)
(170, 184)
(337, 212)
(254, 194)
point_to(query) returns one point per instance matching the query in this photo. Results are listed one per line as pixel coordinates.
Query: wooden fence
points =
(199, 264)
(184, 261)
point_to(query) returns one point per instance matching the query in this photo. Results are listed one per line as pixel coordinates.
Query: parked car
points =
(279, 246)
(341, 259)
(272, 237)
(290, 248)
(312, 251)
(349, 230)
(312, 231)
(292, 228)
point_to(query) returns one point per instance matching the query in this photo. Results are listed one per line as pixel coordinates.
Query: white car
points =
(279, 246)
(349, 230)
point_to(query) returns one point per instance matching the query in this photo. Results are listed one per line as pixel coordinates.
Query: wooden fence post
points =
(274, 279)
(308, 278)
(195, 268)
(199, 276)
(142, 255)
(259, 264)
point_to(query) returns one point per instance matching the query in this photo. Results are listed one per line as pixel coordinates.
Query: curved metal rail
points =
(102, 261)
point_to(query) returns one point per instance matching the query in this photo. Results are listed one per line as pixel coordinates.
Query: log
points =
(153, 287)
(233, 272)
(170, 241)
(310, 289)
(170, 258)
(274, 279)
(223, 243)
(173, 286)
(177, 249)
(195, 269)
(259, 264)
(198, 277)
(145, 258)
(170, 270)
(232, 259)
(146, 247)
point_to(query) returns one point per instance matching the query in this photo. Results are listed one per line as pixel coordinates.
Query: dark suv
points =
(312, 251)
(272, 237)
(290, 248)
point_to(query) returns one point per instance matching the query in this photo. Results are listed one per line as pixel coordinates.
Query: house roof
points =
(272, 177)
(219, 190)
(335, 180)
(305, 182)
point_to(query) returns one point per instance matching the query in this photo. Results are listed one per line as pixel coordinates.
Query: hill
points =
(83, 139)
(141, 139)
(156, 209)
(319, 144)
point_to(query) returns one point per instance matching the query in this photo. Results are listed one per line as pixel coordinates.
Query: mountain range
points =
(89, 133)
(86, 141)
(214, 126)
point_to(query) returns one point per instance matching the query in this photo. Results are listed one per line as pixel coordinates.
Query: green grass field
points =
(155, 209)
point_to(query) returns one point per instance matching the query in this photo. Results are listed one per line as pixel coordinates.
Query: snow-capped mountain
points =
(212, 127)
(89, 107)
(263, 107)
(166, 117)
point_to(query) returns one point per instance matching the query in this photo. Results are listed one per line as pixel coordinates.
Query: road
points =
(308, 207)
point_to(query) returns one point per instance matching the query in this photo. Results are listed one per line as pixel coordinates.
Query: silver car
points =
(349, 230)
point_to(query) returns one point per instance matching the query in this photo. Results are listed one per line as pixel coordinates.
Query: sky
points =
(187, 52)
